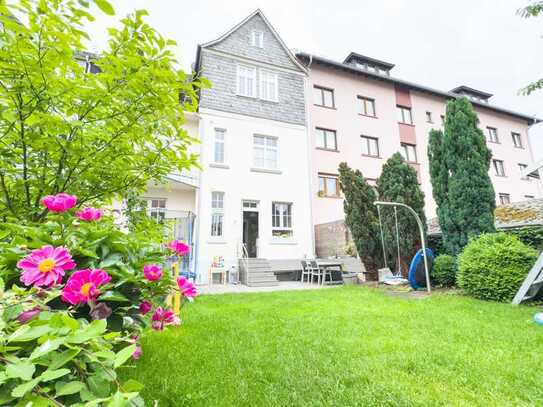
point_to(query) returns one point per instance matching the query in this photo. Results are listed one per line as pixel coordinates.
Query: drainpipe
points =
(310, 156)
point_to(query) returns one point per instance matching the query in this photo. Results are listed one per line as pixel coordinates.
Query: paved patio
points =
(240, 288)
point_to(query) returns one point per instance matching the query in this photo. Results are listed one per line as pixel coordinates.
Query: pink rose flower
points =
(26, 316)
(137, 353)
(45, 266)
(89, 214)
(186, 288)
(161, 318)
(82, 286)
(178, 247)
(152, 272)
(59, 202)
(145, 307)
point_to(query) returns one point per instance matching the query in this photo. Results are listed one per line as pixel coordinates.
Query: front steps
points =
(257, 273)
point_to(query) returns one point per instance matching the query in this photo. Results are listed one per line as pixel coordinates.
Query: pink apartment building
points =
(362, 115)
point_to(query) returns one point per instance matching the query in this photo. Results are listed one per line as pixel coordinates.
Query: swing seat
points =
(384, 274)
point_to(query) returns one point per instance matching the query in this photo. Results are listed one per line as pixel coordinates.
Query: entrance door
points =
(250, 232)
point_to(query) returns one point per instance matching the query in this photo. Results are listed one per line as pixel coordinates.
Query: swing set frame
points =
(395, 205)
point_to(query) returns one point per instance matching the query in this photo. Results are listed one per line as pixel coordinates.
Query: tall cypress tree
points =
(399, 183)
(459, 164)
(361, 216)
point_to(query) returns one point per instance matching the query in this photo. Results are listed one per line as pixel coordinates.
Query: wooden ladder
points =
(532, 284)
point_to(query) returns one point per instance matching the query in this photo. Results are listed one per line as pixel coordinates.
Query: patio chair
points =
(306, 271)
(321, 273)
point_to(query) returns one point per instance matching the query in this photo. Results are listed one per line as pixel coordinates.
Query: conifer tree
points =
(459, 164)
(399, 183)
(361, 216)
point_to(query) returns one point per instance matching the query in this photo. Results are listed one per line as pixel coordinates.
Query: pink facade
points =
(345, 118)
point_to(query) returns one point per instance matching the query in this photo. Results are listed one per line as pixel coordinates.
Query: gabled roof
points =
(268, 24)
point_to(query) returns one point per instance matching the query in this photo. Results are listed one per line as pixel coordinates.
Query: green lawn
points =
(342, 347)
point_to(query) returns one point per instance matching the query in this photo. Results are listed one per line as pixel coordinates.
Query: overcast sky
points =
(438, 43)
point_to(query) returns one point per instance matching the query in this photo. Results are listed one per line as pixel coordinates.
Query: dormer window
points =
(257, 39)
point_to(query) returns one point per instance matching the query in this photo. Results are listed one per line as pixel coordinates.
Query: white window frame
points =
(429, 118)
(405, 151)
(158, 212)
(285, 227)
(262, 84)
(266, 147)
(499, 167)
(257, 38)
(217, 210)
(366, 143)
(217, 141)
(239, 68)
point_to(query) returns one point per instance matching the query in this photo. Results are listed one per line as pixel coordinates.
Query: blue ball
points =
(538, 318)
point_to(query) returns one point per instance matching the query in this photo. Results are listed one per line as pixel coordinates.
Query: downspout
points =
(310, 156)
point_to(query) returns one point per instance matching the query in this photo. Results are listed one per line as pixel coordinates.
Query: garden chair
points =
(321, 273)
(306, 271)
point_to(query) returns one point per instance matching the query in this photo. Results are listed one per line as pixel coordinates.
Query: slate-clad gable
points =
(221, 72)
(239, 43)
(219, 61)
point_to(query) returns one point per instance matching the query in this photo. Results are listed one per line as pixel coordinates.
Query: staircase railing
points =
(243, 256)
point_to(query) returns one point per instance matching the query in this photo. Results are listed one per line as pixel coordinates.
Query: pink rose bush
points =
(87, 277)
(45, 267)
(82, 286)
(89, 214)
(60, 202)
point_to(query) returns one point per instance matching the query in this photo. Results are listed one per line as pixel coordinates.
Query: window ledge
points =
(216, 241)
(327, 149)
(368, 115)
(407, 124)
(329, 196)
(246, 96)
(372, 156)
(281, 241)
(326, 107)
(218, 165)
(266, 170)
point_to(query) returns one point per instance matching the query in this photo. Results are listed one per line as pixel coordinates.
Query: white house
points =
(252, 197)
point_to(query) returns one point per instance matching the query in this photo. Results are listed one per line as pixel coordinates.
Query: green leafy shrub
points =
(444, 270)
(493, 266)
(80, 293)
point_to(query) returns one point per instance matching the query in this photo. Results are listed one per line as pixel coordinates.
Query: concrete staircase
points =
(256, 273)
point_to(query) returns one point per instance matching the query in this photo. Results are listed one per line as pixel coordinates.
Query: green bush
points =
(444, 270)
(493, 266)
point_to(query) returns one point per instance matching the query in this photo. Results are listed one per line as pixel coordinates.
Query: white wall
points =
(239, 183)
